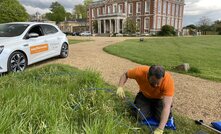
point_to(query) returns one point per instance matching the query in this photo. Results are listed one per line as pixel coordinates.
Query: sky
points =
(193, 10)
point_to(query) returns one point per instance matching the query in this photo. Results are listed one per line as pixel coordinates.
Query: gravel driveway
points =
(194, 97)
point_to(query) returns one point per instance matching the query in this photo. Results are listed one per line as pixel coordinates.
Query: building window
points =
(115, 9)
(108, 9)
(172, 22)
(159, 6)
(175, 23)
(130, 8)
(181, 9)
(146, 23)
(159, 22)
(147, 6)
(98, 11)
(103, 10)
(168, 20)
(169, 8)
(92, 12)
(120, 8)
(164, 7)
(138, 7)
(180, 24)
(138, 25)
(177, 10)
(164, 21)
(173, 9)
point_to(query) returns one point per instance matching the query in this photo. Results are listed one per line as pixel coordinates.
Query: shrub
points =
(167, 30)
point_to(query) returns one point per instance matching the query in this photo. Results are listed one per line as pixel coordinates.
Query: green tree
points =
(69, 16)
(87, 3)
(217, 26)
(12, 11)
(204, 24)
(192, 26)
(167, 30)
(80, 10)
(130, 26)
(58, 12)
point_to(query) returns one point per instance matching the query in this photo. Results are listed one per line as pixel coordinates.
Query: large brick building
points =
(150, 15)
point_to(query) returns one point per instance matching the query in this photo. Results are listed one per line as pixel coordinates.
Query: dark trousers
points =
(149, 107)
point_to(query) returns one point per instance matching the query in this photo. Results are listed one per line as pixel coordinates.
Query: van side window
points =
(36, 29)
(49, 29)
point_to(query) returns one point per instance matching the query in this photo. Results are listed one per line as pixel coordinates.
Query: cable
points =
(131, 103)
(104, 89)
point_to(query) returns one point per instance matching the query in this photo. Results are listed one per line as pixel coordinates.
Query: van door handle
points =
(25, 45)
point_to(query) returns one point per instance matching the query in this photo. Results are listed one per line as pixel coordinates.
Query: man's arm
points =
(167, 102)
(122, 81)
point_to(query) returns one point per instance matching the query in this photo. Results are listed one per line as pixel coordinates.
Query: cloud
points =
(195, 9)
(33, 10)
(42, 6)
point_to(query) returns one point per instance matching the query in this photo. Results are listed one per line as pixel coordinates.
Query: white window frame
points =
(109, 9)
(130, 8)
(146, 19)
(147, 6)
(181, 8)
(93, 12)
(159, 23)
(177, 10)
(164, 7)
(103, 10)
(168, 20)
(138, 7)
(114, 8)
(159, 6)
(172, 22)
(137, 24)
(180, 24)
(169, 8)
(120, 8)
(98, 11)
(173, 9)
(175, 23)
(164, 21)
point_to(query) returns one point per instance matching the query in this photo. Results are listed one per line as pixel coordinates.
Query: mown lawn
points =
(73, 41)
(60, 99)
(202, 53)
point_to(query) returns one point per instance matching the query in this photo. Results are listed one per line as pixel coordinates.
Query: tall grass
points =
(59, 99)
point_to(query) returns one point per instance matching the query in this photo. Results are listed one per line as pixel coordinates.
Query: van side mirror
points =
(33, 35)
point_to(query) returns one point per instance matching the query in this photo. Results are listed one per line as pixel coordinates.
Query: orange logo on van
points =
(39, 48)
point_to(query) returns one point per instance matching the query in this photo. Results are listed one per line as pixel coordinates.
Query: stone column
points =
(111, 30)
(99, 26)
(118, 26)
(105, 26)
(115, 24)
(123, 21)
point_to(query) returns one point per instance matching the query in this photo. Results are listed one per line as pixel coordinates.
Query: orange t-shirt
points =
(140, 74)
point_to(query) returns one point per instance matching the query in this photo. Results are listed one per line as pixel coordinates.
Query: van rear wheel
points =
(64, 50)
